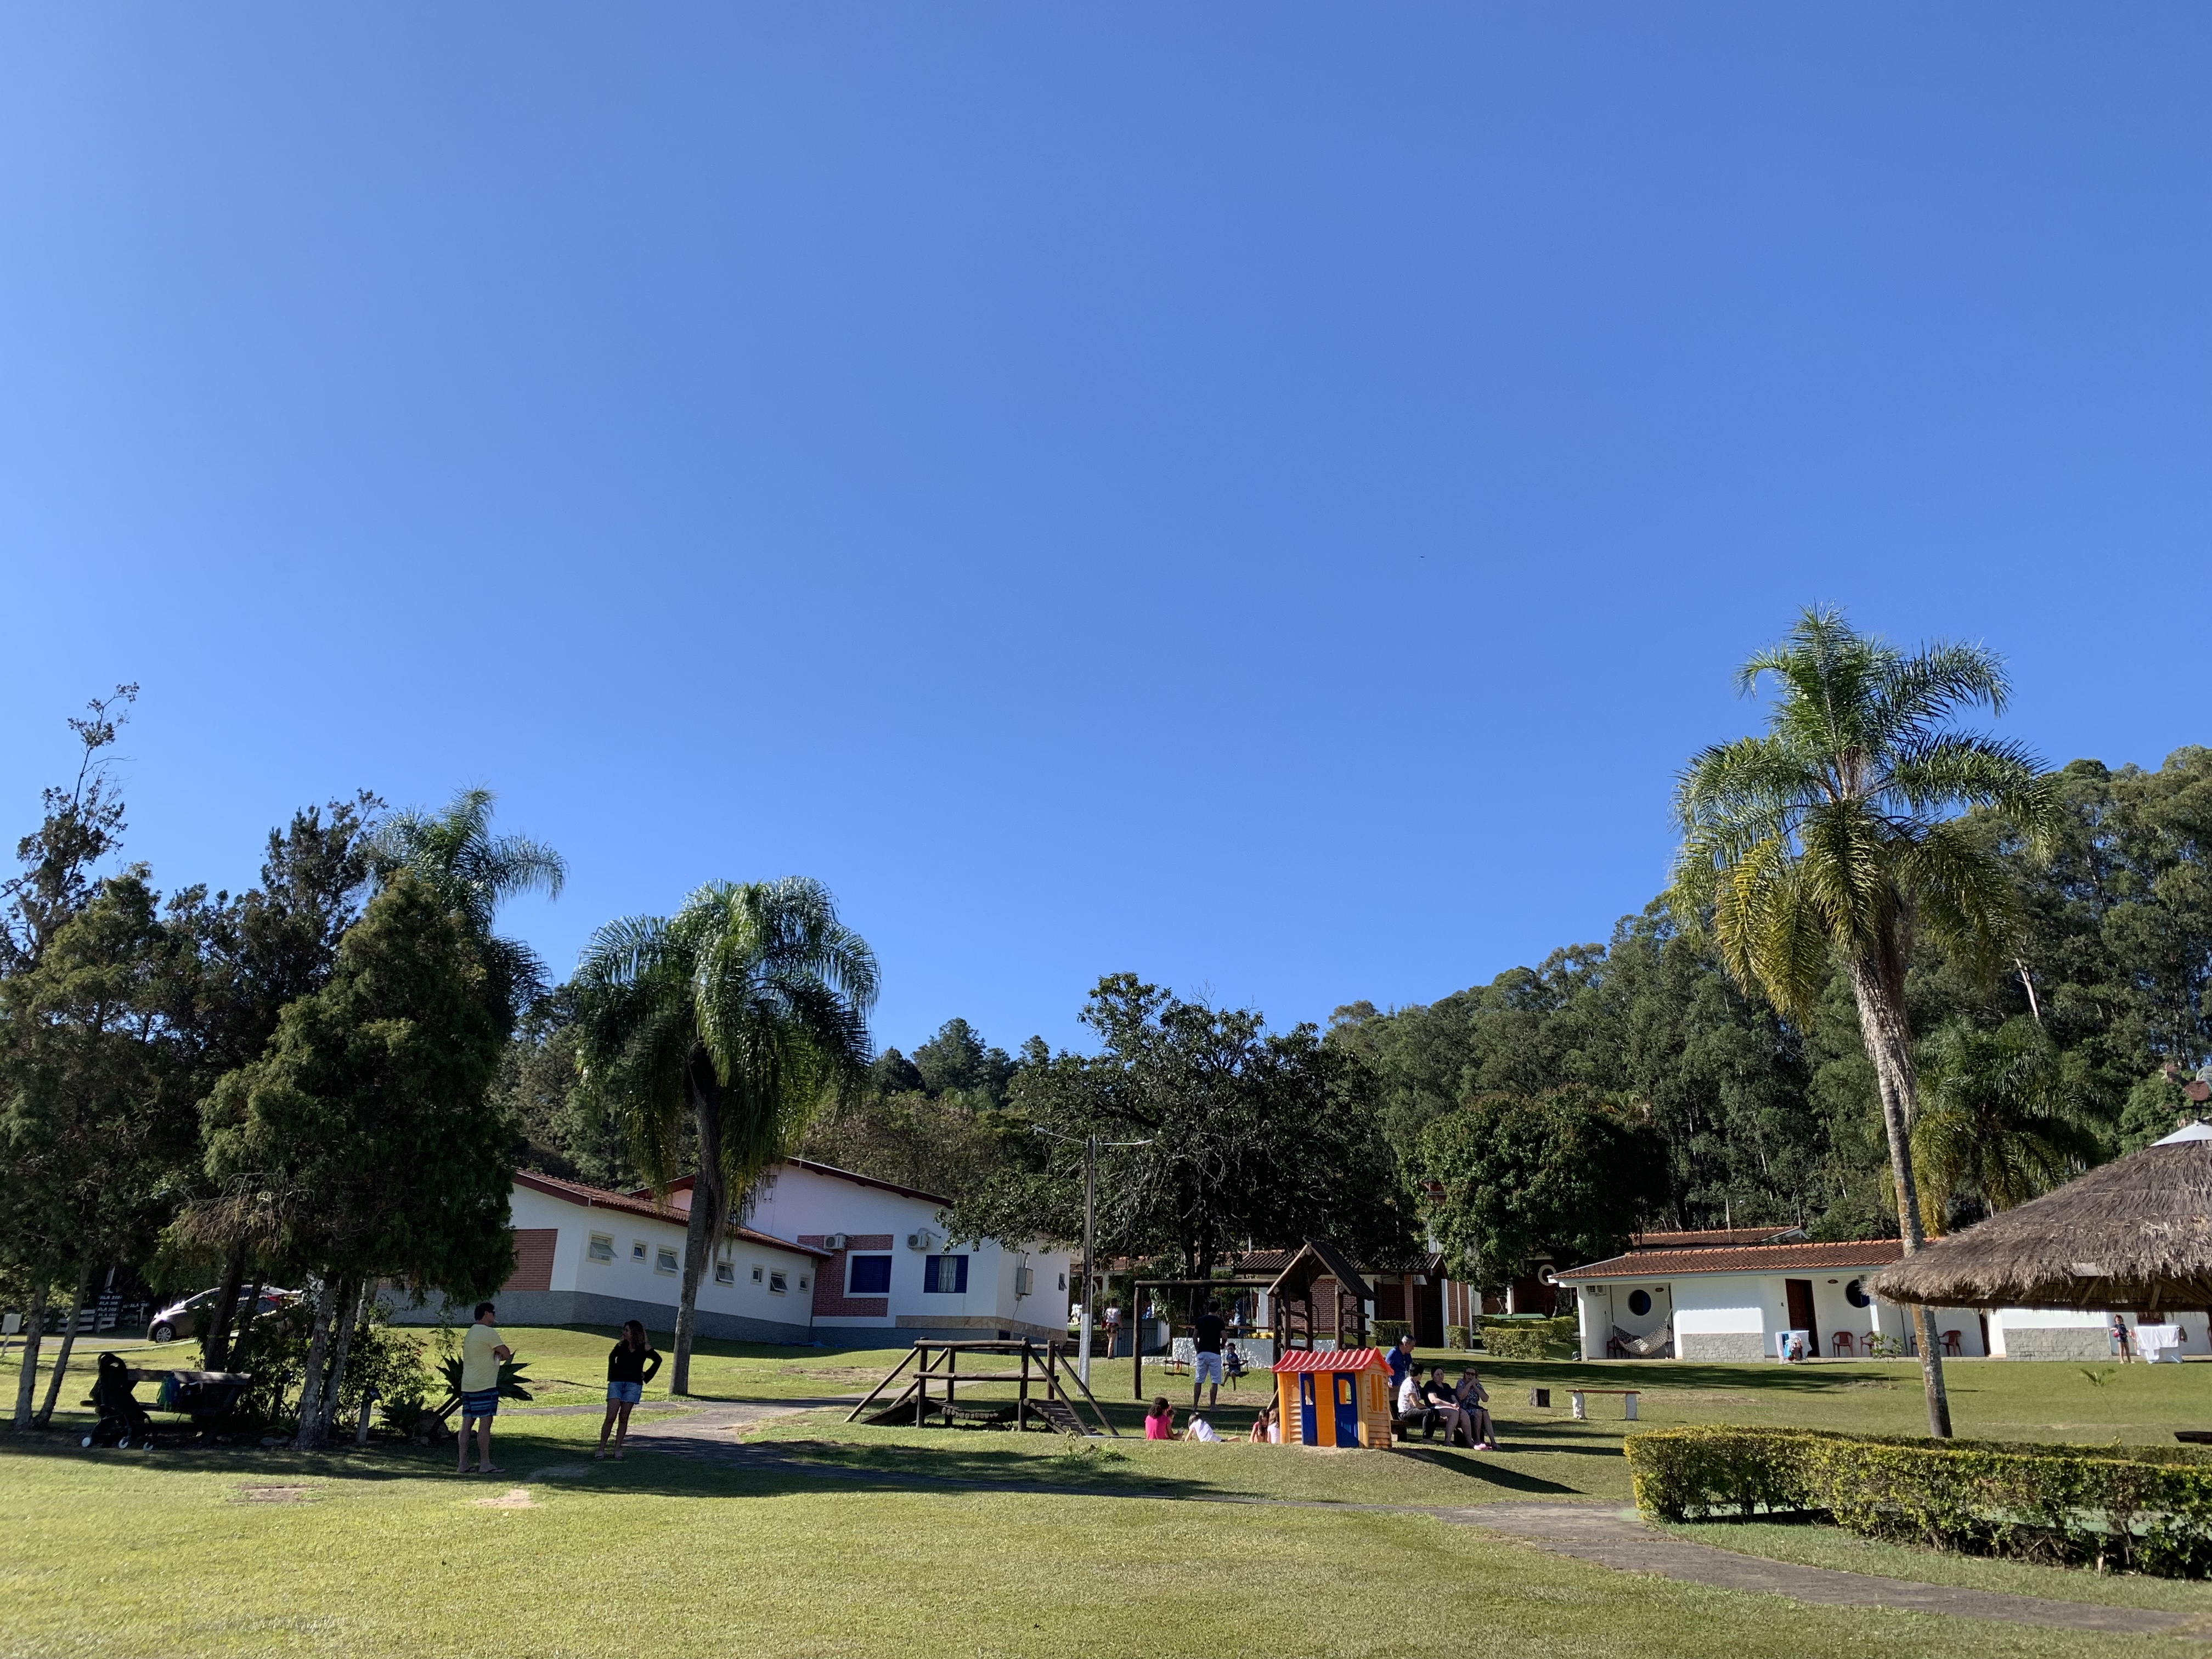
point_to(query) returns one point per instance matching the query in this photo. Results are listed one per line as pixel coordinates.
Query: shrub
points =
(2140, 1508)
(1512, 1337)
(1458, 1337)
(1387, 1331)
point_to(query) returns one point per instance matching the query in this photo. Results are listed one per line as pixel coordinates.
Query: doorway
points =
(1800, 1292)
(1347, 1410)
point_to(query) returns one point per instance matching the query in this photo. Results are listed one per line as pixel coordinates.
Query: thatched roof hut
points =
(2134, 1235)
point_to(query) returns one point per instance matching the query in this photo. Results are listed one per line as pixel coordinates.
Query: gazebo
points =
(2132, 1236)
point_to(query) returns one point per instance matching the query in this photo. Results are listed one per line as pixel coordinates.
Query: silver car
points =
(183, 1318)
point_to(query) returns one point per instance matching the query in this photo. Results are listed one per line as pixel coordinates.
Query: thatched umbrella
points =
(2134, 1235)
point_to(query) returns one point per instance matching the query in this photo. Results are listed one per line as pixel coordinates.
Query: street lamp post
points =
(1091, 1144)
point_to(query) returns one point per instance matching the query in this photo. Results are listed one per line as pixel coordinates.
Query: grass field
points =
(386, 1551)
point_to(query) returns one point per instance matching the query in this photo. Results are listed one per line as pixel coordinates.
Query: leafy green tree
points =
(740, 1013)
(1569, 1175)
(1251, 1138)
(1997, 1124)
(1834, 835)
(94, 1122)
(361, 1138)
(938, 1121)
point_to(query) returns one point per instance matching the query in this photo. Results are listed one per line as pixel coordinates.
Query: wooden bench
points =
(1627, 1402)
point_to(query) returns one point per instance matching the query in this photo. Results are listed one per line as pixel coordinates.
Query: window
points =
(867, 1275)
(946, 1275)
(601, 1248)
(778, 1284)
(637, 1249)
(802, 1282)
(756, 1274)
(1854, 1293)
(664, 1261)
(1639, 1303)
(726, 1273)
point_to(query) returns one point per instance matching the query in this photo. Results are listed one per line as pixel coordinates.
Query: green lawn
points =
(127, 1554)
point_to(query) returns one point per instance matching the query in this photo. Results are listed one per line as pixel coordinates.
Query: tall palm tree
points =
(473, 872)
(1834, 838)
(1995, 1117)
(742, 1012)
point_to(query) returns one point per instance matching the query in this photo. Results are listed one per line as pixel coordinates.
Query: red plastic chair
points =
(1841, 1347)
(1951, 1348)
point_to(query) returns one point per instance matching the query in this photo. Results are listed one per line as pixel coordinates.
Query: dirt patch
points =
(278, 1494)
(517, 1498)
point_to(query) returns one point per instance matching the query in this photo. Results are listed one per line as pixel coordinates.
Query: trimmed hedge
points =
(1458, 1338)
(1509, 1337)
(1385, 1332)
(2141, 1509)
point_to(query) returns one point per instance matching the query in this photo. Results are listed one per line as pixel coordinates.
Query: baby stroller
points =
(122, 1419)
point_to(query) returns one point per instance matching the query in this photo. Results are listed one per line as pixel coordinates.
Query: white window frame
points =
(593, 1247)
(638, 1251)
(778, 1283)
(665, 1261)
(726, 1273)
(759, 1273)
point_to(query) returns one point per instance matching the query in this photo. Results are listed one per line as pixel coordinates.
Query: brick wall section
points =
(830, 1301)
(533, 1259)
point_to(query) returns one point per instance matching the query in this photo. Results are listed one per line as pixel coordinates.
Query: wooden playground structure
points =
(1045, 1376)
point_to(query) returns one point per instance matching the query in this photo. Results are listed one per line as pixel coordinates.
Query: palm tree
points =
(1835, 837)
(473, 872)
(1994, 1117)
(741, 1012)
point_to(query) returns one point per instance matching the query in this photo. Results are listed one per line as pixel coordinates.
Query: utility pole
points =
(1090, 1147)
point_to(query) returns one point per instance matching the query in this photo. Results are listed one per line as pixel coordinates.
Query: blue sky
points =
(1262, 495)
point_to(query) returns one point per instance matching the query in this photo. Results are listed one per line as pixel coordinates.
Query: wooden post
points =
(952, 1371)
(1022, 1408)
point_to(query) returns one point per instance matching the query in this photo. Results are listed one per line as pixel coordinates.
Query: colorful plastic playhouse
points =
(1337, 1397)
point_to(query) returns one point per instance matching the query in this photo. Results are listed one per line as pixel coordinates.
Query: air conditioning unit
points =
(924, 1240)
(836, 1242)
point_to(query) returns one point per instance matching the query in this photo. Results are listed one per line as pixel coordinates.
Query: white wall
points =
(635, 1280)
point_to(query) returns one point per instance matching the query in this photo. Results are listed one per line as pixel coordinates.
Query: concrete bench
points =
(1627, 1402)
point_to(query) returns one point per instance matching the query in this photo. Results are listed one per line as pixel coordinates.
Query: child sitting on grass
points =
(1159, 1422)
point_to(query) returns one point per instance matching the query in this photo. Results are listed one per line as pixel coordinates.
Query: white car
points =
(183, 1318)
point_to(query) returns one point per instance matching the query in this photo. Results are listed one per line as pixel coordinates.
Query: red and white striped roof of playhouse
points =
(1332, 1359)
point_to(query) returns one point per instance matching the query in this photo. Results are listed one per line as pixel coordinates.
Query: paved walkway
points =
(1601, 1533)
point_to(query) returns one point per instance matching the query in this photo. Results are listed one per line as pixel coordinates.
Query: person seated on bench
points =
(1414, 1410)
(1444, 1402)
(1199, 1429)
(1474, 1400)
(1159, 1422)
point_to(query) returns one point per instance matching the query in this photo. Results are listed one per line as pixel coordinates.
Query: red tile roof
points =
(1332, 1359)
(1705, 1237)
(682, 1183)
(597, 1198)
(1741, 1259)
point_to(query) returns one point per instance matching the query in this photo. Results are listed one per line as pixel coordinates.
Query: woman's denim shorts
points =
(625, 1394)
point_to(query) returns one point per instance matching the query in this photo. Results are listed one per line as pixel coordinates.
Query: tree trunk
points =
(214, 1341)
(311, 1386)
(250, 1307)
(352, 1302)
(707, 1203)
(68, 1341)
(1878, 984)
(34, 1332)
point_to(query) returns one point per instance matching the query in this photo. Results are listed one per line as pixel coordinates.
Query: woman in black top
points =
(632, 1363)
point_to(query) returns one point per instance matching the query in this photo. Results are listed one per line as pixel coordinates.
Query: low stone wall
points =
(1726, 1346)
(581, 1308)
(2057, 1342)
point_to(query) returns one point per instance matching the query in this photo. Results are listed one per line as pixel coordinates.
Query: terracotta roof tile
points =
(1741, 1259)
(597, 1198)
(1705, 1238)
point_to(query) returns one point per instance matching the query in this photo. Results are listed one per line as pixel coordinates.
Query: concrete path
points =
(1604, 1534)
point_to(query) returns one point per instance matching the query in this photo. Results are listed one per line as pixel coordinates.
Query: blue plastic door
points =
(1309, 1433)
(1347, 1410)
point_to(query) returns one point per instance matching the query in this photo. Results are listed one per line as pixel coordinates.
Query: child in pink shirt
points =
(1159, 1422)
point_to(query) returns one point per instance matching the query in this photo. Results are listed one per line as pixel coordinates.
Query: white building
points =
(1732, 1294)
(825, 1256)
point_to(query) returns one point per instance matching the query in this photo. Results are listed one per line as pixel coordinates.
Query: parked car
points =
(183, 1318)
